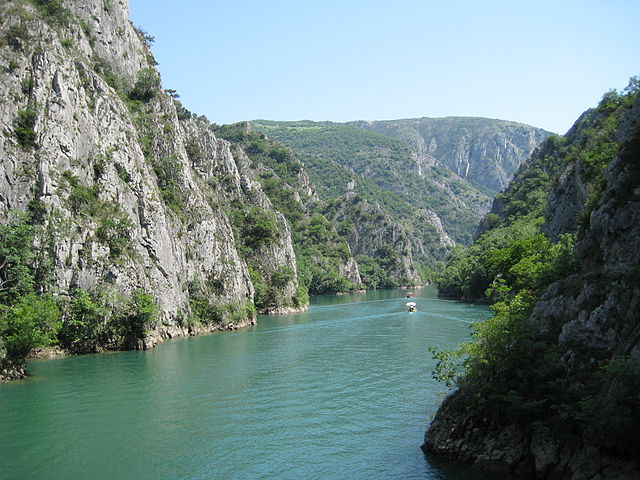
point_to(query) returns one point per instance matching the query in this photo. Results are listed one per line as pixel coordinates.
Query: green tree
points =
(24, 125)
(147, 85)
(17, 259)
(31, 322)
(140, 313)
(86, 321)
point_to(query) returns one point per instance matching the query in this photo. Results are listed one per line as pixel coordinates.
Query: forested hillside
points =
(548, 387)
(388, 164)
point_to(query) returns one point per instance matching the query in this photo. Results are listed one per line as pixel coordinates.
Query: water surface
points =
(343, 391)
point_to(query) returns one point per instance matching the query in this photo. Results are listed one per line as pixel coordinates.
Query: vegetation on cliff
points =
(82, 322)
(507, 234)
(540, 361)
(485, 152)
(382, 170)
(112, 232)
(320, 250)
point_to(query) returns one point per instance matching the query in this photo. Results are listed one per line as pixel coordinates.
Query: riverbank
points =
(157, 334)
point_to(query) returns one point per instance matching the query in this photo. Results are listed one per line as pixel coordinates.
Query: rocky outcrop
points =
(593, 318)
(484, 151)
(566, 203)
(371, 232)
(540, 452)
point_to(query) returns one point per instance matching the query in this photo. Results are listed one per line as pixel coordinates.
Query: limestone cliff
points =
(590, 320)
(372, 233)
(127, 190)
(483, 151)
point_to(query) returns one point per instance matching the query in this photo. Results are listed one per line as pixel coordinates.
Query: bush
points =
(16, 35)
(106, 319)
(254, 226)
(23, 126)
(52, 9)
(31, 322)
(147, 85)
(301, 297)
(17, 260)
(85, 326)
(140, 313)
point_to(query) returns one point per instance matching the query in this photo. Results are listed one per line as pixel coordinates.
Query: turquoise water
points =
(343, 391)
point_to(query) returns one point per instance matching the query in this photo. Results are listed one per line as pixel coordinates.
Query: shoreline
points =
(156, 335)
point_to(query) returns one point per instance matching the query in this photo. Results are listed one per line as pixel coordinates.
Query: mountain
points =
(124, 218)
(548, 387)
(387, 164)
(483, 151)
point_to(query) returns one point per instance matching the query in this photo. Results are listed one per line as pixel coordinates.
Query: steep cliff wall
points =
(371, 233)
(483, 151)
(125, 190)
(585, 424)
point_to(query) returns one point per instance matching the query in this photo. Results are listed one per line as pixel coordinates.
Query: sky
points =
(537, 62)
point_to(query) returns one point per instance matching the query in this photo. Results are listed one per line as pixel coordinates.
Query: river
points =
(343, 391)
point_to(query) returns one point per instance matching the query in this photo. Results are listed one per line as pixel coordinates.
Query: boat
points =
(411, 306)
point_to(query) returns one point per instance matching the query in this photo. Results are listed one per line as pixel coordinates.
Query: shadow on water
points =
(444, 469)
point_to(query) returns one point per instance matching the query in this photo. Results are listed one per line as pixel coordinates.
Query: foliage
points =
(114, 225)
(520, 209)
(27, 320)
(372, 273)
(139, 314)
(255, 226)
(337, 156)
(208, 312)
(301, 297)
(146, 86)
(447, 366)
(319, 249)
(52, 10)
(17, 260)
(86, 321)
(105, 319)
(32, 321)
(16, 35)
(513, 371)
(168, 173)
(23, 126)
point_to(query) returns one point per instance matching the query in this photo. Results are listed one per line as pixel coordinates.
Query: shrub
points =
(140, 313)
(23, 126)
(16, 260)
(52, 9)
(147, 85)
(86, 321)
(301, 297)
(31, 322)
(16, 35)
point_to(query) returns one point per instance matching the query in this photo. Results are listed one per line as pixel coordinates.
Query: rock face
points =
(371, 232)
(483, 151)
(596, 313)
(130, 192)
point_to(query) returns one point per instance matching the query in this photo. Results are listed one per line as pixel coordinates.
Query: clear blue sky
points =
(537, 62)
